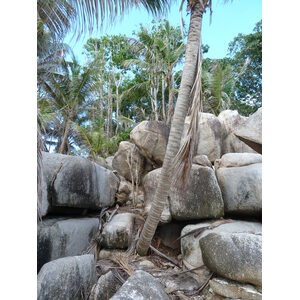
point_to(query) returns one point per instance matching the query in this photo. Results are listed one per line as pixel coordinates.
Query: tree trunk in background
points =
(101, 96)
(171, 104)
(117, 109)
(163, 97)
(109, 110)
(65, 137)
(187, 81)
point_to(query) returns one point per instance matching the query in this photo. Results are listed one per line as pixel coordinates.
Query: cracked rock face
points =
(76, 182)
(230, 121)
(67, 278)
(236, 256)
(141, 286)
(61, 237)
(251, 131)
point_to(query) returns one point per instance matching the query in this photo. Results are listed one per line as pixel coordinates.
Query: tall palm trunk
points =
(170, 108)
(188, 77)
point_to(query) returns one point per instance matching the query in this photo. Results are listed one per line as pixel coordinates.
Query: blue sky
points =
(228, 20)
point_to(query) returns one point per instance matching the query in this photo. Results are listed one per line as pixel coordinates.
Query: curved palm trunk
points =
(188, 77)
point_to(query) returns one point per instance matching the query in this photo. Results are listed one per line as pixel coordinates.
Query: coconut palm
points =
(191, 72)
(218, 84)
(58, 17)
(158, 52)
(171, 50)
(66, 95)
(61, 15)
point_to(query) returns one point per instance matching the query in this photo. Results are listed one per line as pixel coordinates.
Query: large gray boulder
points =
(200, 198)
(241, 188)
(251, 131)
(67, 278)
(141, 286)
(151, 137)
(230, 121)
(210, 135)
(76, 182)
(106, 287)
(238, 160)
(117, 234)
(61, 237)
(44, 204)
(129, 162)
(235, 290)
(236, 256)
(190, 248)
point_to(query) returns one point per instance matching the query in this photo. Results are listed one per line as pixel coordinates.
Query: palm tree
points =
(67, 95)
(171, 50)
(57, 17)
(190, 73)
(158, 53)
(218, 84)
(61, 15)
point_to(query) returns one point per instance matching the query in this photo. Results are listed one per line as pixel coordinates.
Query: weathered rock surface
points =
(44, 205)
(67, 278)
(129, 162)
(190, 248)
(117, 234)
(141, 286)
(150, 183)
(102, 162)
(125, 188)
(236, 256)
(182, 282)
(61, 237)
(151, 137)
(230, 121)
(201, 197)
(250, 132)
(76, 182)
(232, 289)
(241, 189)
(210, 135)
(108, 161)
(106, 287)
(238, 160)
(202, 160)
